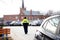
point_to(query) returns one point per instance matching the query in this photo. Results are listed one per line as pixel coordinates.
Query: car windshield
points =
(51, 24)
(54, 22)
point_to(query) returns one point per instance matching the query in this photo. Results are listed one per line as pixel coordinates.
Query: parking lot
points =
(17, 32)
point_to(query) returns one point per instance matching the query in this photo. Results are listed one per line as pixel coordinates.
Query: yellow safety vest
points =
(25, 21)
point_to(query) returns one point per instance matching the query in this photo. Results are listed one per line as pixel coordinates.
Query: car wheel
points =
(46, 38)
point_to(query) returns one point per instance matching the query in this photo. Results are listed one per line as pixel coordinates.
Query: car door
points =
(50, 26)
(58, 31)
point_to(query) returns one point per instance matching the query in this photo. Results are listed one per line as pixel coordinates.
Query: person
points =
(25, 23)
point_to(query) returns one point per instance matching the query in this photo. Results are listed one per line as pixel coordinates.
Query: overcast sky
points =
(8, 7)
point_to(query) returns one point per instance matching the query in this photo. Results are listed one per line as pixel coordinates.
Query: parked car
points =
(49, 29)
(7, 23)
(1, 23)
(39, 22)
(36, 22)
(15, 23)
(33, 23)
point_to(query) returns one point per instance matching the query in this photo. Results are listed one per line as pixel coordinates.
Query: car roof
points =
(52, 17)
(49, 18)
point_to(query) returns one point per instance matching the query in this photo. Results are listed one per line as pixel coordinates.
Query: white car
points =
(15, 23)
(33, 22)
(36, 22)
(49, 29)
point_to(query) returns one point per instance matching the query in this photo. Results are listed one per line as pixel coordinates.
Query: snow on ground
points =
(17, 33)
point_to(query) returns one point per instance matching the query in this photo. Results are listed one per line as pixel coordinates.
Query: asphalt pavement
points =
(17, 32)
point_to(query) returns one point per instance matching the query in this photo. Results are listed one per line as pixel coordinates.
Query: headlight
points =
(38, 32)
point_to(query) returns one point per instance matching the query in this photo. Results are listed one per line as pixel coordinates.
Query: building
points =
(31, 15)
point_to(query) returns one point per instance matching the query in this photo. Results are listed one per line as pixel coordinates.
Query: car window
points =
(51, 24)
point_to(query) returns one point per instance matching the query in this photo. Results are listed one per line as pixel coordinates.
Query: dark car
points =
(7, 23)
(1, 23)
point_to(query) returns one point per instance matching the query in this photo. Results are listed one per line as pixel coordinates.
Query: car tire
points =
(43, 37)
(46, 38)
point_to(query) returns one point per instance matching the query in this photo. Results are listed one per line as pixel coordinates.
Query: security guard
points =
(25, 23)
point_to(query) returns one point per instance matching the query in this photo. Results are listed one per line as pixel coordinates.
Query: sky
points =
(10, 7)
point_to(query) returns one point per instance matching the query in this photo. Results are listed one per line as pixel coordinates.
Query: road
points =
(17, 33)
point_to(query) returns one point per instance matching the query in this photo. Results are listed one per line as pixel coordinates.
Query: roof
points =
(10, 15)
(33, 12)
(27, 12)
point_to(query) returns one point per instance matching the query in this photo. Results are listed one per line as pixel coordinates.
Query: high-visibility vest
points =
(25, 21)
